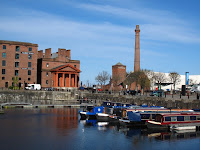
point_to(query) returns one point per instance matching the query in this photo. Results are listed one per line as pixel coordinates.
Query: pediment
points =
(65, 68)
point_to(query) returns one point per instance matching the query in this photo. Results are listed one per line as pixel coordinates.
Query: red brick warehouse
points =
(18, 59)
(57, 69)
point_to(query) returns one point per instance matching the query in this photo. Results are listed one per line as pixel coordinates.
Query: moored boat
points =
(90, 113)
(175, 121)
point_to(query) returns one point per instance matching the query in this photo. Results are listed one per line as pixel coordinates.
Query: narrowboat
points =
(135, 117)
(175, 121)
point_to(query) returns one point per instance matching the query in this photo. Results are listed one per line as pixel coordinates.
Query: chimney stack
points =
(137, 49)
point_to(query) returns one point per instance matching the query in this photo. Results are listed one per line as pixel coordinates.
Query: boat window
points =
(174, 119)
(167, 118)
(158, 118)
(192, 117)
(187, 118)
(153, 116)
(180, 118)
(145, 116)
(198, 117)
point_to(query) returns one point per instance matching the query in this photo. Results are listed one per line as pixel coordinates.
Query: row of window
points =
(17, 48)
(3, 78)
(16, 56)
(182, 118)
(16, 72)
(16, 64)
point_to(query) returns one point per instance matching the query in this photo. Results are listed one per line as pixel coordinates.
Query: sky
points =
(101, 33)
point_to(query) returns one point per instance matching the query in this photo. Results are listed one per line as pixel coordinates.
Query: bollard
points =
(188, 96)
(197, 96)
(165, 94)
(180, 95)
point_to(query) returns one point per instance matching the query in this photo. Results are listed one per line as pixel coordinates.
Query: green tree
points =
(15, 83)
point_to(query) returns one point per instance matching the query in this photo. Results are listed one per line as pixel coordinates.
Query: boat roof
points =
(180, 114)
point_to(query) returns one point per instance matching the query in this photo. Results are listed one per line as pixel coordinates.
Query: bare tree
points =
(175, 78)
(102, 77)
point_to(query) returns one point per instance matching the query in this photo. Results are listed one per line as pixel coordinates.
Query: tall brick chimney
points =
(68, 53)
(137, 49)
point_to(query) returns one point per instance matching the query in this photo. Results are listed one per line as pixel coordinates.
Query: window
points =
(30, 49)
(16, 56)
(6, 84)
(29, 79)
(180, 118)
(29, 56)
(187, 118)
(3, 71)
(192, 117)
(29, 64)
(3, 78)
(19, 78)
(47, 82)
(4, 55)
(173, 118)
(47, 74)
(75, 66)
(4, 46)
(16, 72)
(17, 48)
(29, 72)
(198, 117)
(47, 64)
(16, 64)
(3, 63)
(167, 118)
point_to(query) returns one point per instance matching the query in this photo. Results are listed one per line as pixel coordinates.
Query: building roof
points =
(62, 68)
(18, 43)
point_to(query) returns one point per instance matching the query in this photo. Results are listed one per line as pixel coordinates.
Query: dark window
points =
(16, 72)
(180, 118)
(13, 84)
(30, 49)
(29, 56)
(47, 64)
(29, 72)
(3, 71)
(16, 64)
(16, 56)
(167, 118)
(47, 74)
(29, 64)
(29, 79)
(6, 84)
(47, 82)
(17, 48)
(3, 63)
(4, 46)
(3, 78)
(75, 66)
(192, 117)
(4, 55)
(19, 78)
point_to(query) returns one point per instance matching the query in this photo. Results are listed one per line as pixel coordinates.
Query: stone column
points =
(69, 79)
(75, 80)
(63, 79)
(137, 49)
(56, 79)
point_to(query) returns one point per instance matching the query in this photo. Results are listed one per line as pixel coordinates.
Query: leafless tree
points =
(175, 78)
(102, 77)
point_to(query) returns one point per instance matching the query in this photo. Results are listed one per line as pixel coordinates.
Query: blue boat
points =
(90, 113)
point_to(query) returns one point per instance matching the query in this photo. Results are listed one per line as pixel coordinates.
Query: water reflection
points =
(62, 129)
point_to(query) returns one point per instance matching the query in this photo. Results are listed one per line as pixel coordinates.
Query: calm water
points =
(61, 129)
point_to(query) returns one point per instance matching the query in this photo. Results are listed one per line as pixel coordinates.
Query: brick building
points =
(57, 69)
(17, 59)
(118, 75)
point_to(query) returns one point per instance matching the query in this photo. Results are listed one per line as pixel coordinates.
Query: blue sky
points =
(100, 33)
